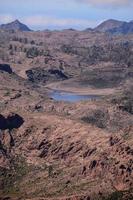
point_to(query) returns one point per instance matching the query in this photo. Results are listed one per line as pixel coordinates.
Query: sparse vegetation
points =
(98, 118)
(10, 178)
(80, 150)
(124, 100)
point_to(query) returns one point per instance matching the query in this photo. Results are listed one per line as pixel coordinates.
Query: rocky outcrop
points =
(7, 140)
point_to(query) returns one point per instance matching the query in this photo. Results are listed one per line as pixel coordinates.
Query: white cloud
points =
(6, 18)
(104, 3)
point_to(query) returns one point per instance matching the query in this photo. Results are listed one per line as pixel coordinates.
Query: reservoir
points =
(71, 97)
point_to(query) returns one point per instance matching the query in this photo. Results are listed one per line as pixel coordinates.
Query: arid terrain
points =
(59, 150)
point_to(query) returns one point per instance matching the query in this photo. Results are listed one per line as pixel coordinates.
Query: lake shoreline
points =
(69, 86)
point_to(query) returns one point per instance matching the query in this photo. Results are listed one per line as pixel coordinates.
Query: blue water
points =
(71, 97)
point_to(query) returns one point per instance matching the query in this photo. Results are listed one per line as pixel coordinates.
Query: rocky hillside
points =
(108, 25)
(115, 27)
(58, 150)
(15, 25)
(51, 56)
(52, 150)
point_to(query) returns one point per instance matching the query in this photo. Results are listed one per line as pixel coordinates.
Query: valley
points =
(66, 113)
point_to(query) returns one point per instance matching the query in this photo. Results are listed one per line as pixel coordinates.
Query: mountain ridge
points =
(111, 26)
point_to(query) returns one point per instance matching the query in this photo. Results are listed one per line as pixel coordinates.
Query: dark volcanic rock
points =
(41, 75)
(5, 68)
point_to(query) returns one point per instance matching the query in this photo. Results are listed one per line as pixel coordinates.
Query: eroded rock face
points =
(5, 68)
(7, 138)
(13, 121)
(64, 154)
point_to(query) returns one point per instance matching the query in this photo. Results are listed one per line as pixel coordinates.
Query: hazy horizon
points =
(61, 14)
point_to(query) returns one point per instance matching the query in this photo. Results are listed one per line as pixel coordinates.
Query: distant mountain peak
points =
(112, 20)
(15, 25)
(16, 21)
(115, 27)
(108, 24)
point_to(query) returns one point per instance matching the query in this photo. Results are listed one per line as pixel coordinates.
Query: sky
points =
(63, 14)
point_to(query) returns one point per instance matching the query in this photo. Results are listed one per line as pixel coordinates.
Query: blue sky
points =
(61, 14)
